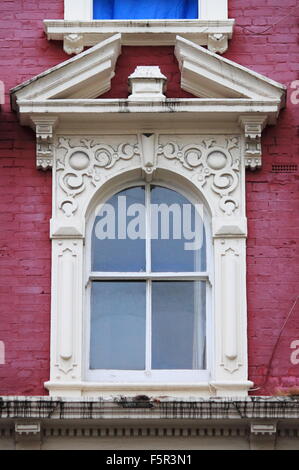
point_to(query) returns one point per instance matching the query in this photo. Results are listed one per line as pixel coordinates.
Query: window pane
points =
(118, 311)
(118, 241)
(178, 235)
(178, 325)
(143, 9)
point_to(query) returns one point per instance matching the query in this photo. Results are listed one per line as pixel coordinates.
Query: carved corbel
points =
(28, 435)
(73, 43)
(253, 127)
(218, 42)
(44, 128)
(263, 436)
(148, 145)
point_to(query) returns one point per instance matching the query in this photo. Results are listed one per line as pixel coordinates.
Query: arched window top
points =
(149, 228)
(143, 9)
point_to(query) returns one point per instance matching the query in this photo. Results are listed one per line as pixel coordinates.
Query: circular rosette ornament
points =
(218, 159)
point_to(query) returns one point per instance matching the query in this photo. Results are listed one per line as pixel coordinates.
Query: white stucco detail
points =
(198, 144)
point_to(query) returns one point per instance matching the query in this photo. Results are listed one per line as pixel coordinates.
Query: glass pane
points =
(143, 9)
(178, 234)
(118, 236)
(118, 311)
(178, 325)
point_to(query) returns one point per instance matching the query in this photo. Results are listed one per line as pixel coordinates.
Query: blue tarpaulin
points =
(144, 9)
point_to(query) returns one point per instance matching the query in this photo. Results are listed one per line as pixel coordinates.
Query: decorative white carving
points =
(212, 163)
(66, 311)
(230, 311)
(27, 429)
(263, 429)
(73, 43)
(147, 83)
(66, 269)
(44, 128)
(253, 127)
(218, 42)
(84, 164)
(148, 154)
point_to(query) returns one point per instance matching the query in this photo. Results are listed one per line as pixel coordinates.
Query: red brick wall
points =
(25, 203)
(272, 199)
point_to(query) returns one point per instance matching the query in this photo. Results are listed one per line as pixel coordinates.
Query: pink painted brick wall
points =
(25, 203)
(272, 199)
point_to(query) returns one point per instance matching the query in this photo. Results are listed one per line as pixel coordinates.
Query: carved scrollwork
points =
(212, 163)
(83, 164)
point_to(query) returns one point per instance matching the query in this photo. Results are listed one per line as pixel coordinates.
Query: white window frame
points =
(82, 10)
(149, 376)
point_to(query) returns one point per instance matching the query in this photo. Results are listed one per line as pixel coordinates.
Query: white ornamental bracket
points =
(44, 128)
(73, 43)
(253, 127)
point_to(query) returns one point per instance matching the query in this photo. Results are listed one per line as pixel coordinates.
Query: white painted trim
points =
(78, 10)
(213, 9)
(82, 10)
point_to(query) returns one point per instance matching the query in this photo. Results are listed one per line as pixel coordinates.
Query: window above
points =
(141, 23)
(143, 9)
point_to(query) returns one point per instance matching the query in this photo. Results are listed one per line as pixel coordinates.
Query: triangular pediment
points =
(209, 75)
(86, 75)
(204, 74)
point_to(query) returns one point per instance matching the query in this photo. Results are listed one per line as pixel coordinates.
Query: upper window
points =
(148, 287)
(143, 9)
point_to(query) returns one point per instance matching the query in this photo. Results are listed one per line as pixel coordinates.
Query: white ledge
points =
(143, 32)
(126, 110)
(173, 391)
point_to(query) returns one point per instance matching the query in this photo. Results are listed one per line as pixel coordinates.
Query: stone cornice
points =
(79, 34)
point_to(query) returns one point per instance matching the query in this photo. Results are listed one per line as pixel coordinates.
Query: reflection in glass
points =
(178, 325)
(113, 248)
(118, 311)
(178, 234)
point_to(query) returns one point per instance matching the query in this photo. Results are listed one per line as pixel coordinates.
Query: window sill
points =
(79, 34)
(172, 391)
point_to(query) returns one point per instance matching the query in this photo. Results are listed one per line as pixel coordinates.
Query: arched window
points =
(143, 9)
(148, 287)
